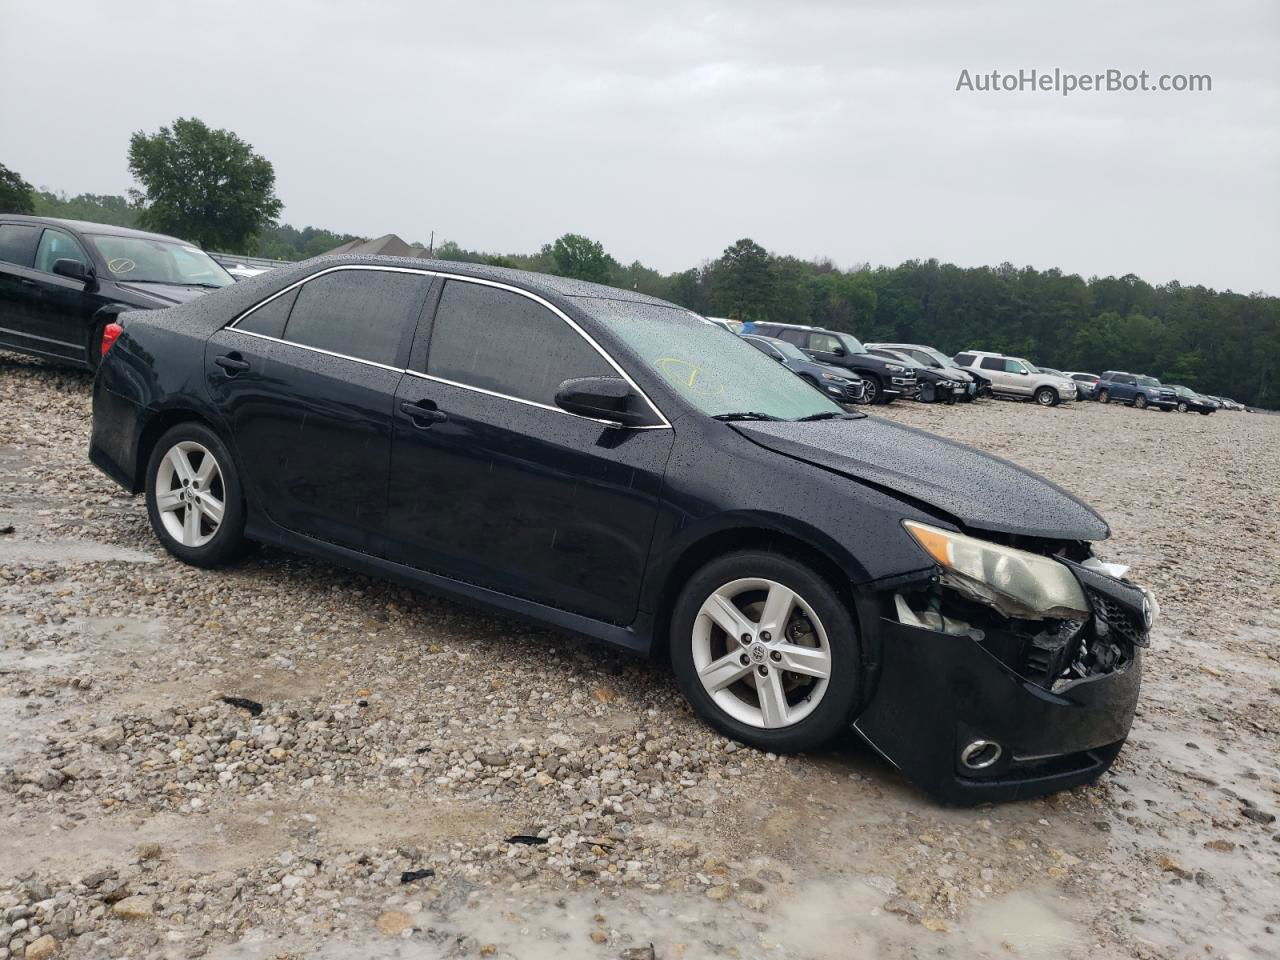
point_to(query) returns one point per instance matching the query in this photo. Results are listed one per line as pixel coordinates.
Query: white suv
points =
(1015, 377)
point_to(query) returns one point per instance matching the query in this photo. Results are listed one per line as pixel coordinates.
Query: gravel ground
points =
(361, 797)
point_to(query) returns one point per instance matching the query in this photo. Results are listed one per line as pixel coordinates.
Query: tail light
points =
(110, 334)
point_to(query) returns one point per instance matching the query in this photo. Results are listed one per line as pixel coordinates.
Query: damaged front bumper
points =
(1000, 713)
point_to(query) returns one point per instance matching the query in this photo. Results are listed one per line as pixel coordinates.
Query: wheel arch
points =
(729, 540)
(157, 426)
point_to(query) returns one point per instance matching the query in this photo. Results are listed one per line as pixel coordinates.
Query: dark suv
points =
(841, 385)
(63, 281)
(1135, 389)
(885, 380)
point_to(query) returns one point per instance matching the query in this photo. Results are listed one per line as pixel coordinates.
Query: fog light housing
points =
(981, 754)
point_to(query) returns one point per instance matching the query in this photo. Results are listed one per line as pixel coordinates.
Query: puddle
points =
(813, 922)
(84, 551)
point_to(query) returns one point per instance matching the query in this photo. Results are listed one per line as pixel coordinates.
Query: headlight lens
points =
(894, 368)
(1017, 583)
(834, 378)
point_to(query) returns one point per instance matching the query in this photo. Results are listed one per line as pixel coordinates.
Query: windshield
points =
(1184, 391)
(714, 370)
(789, 350)
(1148, 381)
(146, 260)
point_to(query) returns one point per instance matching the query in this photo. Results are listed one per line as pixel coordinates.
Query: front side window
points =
(716, 374)
(506, 343)
(151, 260)
(1014, 366)
(824, 342)
(365, 314)
(57, 245)
(18, 243)
(1149, 381)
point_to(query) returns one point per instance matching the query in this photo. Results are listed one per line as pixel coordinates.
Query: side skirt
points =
(634, 639)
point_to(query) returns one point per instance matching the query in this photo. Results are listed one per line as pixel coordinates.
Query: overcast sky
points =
(669, 130)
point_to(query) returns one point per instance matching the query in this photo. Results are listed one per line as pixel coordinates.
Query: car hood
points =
(166, 293)
(979, 490)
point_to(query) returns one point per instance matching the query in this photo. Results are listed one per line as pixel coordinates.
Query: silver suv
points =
(1016, 377)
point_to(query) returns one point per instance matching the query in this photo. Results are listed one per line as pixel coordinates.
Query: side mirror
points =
(72, 269)
(601, 398)
(838, 352)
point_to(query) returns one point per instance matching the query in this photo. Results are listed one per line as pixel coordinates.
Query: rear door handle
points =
(423, 416)
(231, 363)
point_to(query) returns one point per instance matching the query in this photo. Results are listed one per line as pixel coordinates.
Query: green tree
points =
(202, 184)
(574, 255)
(96, 208)
(743, 282)
(16, 195)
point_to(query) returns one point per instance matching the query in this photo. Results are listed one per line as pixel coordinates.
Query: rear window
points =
(18, 243)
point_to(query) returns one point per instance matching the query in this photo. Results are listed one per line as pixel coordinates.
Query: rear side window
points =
(18, 243)
(793, 336)
(1123, 378)
(993, 363)
(359, 313)
(501, 341)
(270, 318)
(964, 359)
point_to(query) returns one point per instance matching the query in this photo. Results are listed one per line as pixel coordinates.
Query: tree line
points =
(210, 187)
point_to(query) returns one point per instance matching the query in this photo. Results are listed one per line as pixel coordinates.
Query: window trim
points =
(664, 425)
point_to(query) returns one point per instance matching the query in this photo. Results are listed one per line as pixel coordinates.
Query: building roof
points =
(387, 245)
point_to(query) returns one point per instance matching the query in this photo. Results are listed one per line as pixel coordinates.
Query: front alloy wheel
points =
(765, 651)
(1182, 406)
(761, 653)
(1047, 397)
(871, 393)
(1140, 401)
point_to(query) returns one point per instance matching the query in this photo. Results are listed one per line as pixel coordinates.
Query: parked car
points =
(885, 380)
(1135, 389)
(63, 282)
(841, 385)
(606, 463)
(1087, 384)
(1191, 402)
(974, 384)
(1226, 403)
(936, 386)
(733, 326)
(1053, 372)
(1016, 377)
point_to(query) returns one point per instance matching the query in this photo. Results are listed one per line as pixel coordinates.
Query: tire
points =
(928, 393)
(1047, 397)
(790, 719)
(873, 392)
(1182, 406)
(1104, 396)
(210, 538)
(1205, 413)
(1140, 401)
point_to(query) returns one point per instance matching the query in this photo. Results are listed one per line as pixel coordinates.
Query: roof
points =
(387, 245)
(87, 226)
(541, 283)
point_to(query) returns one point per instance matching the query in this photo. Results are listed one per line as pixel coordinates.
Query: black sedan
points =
(64, 282)
(841, 385)
(612, 465)
(1191, 402)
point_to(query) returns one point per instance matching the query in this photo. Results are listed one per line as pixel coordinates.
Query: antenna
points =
(431, 245)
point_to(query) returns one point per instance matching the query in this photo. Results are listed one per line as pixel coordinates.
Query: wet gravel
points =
(285, 758)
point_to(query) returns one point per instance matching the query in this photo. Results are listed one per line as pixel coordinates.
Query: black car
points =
(606, 463)
(63, 282)
(842, 386)
(1191, 402)
(885, 380)
(975, 385)
(935, 385)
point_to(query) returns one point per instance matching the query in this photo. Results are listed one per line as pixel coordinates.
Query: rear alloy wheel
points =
(1047, 397)
(1140, 401)
(765, 651)
(194, 497)
(1104, 396)
(1182, 406)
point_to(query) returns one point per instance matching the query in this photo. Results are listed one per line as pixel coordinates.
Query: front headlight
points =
(894, 368)
(1017, 583)
(834, 378)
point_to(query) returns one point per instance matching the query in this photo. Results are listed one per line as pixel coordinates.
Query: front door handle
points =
(231, 363)
(421, 415)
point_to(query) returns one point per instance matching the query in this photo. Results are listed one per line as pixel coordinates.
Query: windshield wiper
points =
(830, 415)
(745, 415)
